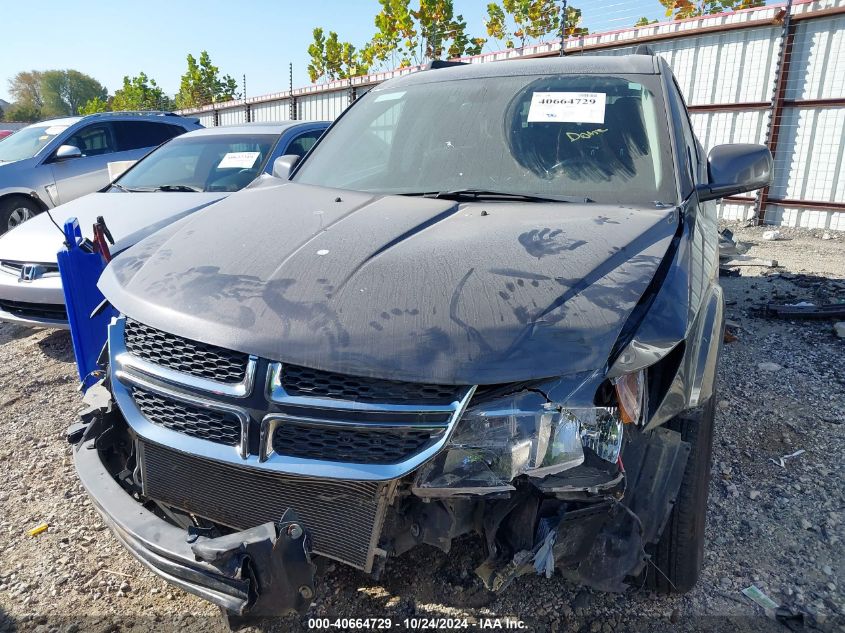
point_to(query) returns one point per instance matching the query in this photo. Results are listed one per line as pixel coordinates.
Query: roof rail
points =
(442, 63)
(135, 113)
(643, 49)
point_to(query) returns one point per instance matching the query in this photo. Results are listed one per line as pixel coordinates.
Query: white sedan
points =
(181, 177)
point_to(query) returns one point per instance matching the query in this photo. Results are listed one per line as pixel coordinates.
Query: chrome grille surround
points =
(342, 504)
(128, 371)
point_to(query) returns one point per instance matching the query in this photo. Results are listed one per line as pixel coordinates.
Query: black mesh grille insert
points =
(34, 310)
(343, 518)
(301, 381)
(185, 355)
(222, 428)
(354, 445)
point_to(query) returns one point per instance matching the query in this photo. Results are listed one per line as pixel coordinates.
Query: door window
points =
(303, 143)
(141, 134)
(93, 140)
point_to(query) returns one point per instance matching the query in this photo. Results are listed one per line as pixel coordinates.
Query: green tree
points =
(25, 89)
(23, 112)
(202, 84)
(519, 22)
(682, 9)
(406, 36)
(64, 92)
(332, 59)
(644, 21)
(317, 55)
(95, 105)
(140, 93)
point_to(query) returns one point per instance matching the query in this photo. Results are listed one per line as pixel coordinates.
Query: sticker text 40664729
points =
(567, 107)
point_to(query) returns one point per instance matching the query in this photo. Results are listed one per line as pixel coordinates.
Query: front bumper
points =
(262, 571)
(34, 303)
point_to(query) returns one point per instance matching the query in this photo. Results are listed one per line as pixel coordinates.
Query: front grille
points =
(301, 381)
(355, 445)
(343, 518)
(182, 354)
(34, 310)
(214, 426)
(16, 267)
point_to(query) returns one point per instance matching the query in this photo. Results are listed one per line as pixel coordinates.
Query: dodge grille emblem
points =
(31, 272)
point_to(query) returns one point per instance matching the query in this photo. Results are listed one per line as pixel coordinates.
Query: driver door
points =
(75, 177)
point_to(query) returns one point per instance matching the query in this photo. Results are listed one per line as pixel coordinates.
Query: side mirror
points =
(68, 151)
(283, 166)
(736, 168)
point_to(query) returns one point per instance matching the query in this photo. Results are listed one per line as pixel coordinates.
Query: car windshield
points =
(201, 163)
(580, 136)
(28, 141)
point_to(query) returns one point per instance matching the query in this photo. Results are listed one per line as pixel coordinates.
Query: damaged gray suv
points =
(487, 303)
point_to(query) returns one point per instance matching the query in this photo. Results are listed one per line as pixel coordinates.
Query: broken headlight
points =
(526, 434)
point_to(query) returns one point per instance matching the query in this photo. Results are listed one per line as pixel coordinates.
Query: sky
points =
(256, 38)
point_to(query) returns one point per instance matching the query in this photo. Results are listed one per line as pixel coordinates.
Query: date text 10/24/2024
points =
(417, 624)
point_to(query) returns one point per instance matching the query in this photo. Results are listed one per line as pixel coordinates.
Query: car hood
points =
(396, 287)
(129, 217)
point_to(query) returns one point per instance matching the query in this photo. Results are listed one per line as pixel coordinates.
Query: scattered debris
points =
(781, 461)
(729, 247)
(839, 328)
(728, 272)
(771, 236)
(754, 494)
(827, 236)
(747, 260)
(790, 617)
(38, 529)
(769, 366)
(756, 594)
(805, 310)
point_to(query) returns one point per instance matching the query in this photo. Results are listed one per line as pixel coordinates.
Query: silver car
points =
(52, 162)
(182, 176)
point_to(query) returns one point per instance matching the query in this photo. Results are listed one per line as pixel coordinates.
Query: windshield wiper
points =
(178, 188)
(486, 194)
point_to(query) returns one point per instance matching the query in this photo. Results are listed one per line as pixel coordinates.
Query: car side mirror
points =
(283, 166)
(66, 152)
(736, 168)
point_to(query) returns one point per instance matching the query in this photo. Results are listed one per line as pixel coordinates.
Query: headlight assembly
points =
(526, 434)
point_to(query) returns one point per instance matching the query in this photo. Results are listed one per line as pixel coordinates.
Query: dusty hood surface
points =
(397, 287)
(128, 216)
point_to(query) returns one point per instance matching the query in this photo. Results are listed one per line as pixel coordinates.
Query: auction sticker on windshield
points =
(567, 107)
(240, 160)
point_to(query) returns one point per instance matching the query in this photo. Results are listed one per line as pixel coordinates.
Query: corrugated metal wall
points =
(726, 66)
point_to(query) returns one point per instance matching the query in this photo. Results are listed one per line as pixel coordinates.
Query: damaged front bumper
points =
(591, 523)
(262, 571)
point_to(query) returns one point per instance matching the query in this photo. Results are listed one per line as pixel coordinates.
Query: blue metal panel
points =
(80, 269)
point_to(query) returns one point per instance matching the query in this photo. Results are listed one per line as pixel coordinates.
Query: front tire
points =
(15, 211)
(679, 553)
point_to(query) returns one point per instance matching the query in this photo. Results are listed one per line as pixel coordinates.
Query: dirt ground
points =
(780, 528)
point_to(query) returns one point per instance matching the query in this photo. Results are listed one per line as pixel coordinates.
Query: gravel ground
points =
(780, 528)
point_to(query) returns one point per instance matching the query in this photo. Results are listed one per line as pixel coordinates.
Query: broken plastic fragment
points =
(38, 529)
(757, 595)
(544, 559)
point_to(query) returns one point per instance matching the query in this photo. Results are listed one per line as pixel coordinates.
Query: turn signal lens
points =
(631, 396)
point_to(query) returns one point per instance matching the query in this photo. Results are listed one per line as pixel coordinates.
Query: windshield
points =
(201, 163)
(596, 137)
(28, 141)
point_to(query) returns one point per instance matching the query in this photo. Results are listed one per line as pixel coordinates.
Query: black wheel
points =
(16, 210)
(679, 553)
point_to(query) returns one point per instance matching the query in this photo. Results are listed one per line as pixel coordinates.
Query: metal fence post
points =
(787, 38)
